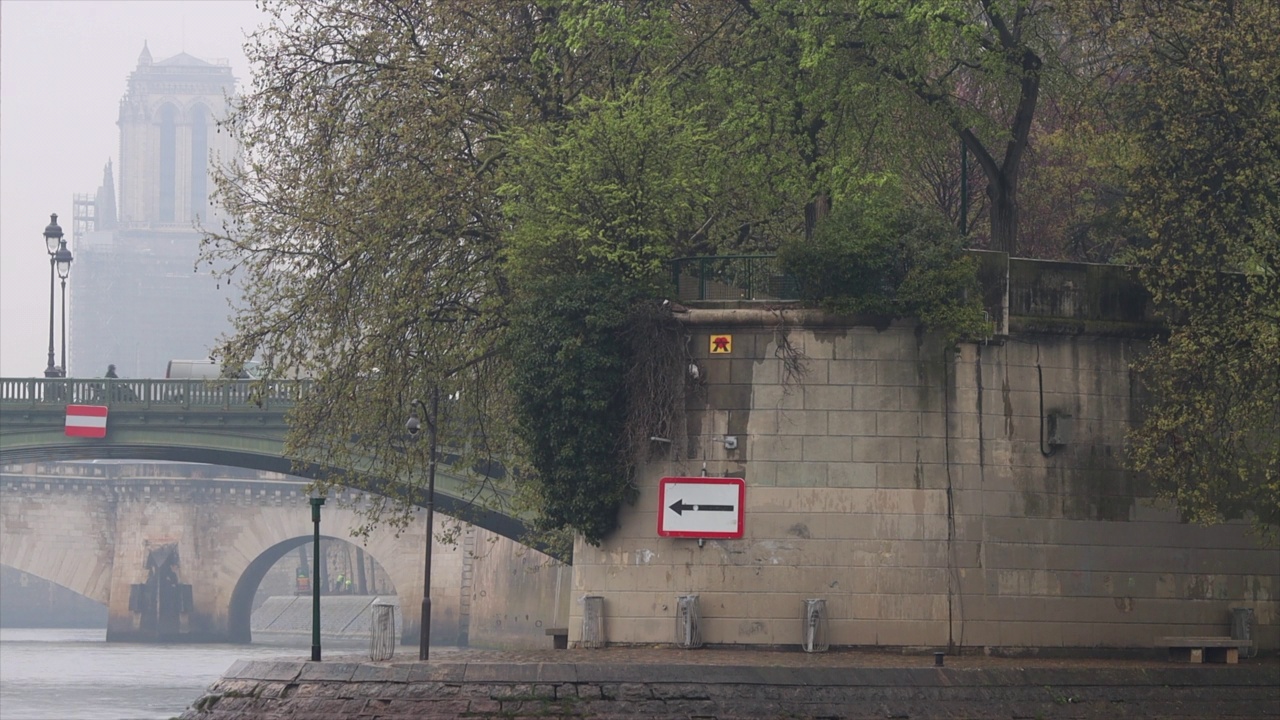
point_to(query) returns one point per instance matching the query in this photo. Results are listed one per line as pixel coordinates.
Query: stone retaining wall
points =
(334, 691)
(920, 492)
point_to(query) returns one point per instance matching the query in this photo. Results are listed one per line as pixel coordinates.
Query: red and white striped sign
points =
(87, 421)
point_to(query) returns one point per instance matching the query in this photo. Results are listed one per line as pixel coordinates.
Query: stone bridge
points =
(179, 558)
(177, 555)
(238, 423)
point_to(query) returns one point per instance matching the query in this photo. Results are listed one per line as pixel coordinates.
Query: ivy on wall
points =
(570, 362)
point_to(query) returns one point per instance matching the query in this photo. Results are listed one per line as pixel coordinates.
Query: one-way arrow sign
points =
(701, 507)
(679, 506)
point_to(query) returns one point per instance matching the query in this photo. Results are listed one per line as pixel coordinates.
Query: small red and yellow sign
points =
(721, 344)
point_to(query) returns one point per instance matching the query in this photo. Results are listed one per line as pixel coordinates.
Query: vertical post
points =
(64, 327)
(48, 370)
(964, 189)
(53, 244)
(424, 640)
(316, 502)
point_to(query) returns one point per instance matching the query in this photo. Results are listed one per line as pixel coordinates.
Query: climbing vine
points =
(596, 372)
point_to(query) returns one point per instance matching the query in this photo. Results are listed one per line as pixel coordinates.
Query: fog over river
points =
(62, 674)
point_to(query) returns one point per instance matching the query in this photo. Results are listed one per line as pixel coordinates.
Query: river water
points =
(76, 675)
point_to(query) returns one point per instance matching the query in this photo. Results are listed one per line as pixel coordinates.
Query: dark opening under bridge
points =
(104, 539)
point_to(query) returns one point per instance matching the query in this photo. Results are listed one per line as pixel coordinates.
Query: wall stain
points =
(1008, 406)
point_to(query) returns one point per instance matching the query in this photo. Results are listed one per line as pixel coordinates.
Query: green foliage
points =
(609, 190)
(1206, 195)
(423, 181)
(570, 358)
(874, 255)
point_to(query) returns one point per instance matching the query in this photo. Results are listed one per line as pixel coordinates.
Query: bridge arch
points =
(146, 546)
(31, 600)
(240, 609)
(76, 555)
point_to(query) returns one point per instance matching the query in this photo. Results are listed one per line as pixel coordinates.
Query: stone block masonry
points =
(912, 486)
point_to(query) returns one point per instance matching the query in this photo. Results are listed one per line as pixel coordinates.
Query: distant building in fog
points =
(137, 298)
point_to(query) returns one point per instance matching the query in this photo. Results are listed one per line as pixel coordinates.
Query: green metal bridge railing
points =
(732, 277)
(141, 394)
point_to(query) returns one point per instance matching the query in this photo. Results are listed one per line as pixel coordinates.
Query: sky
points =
(64, 66)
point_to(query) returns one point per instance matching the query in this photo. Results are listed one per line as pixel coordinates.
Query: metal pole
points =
(64, 327)
(49, 371)
(316, 502)
(424, 639)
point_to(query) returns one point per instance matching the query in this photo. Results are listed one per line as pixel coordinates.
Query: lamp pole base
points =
(424, 638)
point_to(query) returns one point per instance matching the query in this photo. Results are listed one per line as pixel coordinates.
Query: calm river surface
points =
(76, 675)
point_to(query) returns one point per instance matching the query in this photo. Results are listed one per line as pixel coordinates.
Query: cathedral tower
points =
(167, 138)
(139, 298)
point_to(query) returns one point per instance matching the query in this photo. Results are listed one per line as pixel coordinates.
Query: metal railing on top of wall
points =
(731, 277)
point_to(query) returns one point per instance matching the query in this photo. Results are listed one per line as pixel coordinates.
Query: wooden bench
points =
(1213, 649)
(559, 638)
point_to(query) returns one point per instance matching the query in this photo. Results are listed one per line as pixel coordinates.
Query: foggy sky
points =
(64, 66)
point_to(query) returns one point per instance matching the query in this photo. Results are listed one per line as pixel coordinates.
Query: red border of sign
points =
(662, 504)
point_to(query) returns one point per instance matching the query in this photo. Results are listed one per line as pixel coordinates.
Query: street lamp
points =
(52, 241)
(316, 501)
(62, 259)
(413, 426)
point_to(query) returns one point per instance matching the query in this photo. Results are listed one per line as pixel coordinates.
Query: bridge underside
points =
(497, 522)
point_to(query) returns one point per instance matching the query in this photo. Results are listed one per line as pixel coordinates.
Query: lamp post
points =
(52, 241)
(62, 259)
(413, 426)
(316, 501)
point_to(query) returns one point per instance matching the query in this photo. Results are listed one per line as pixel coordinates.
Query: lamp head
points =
(62, 260)
(413, 425)
(52, 234)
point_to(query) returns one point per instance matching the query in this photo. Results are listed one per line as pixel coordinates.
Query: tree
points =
(366, 223)
(1206, 195)
(879, 256)
(976, 65)
(416, 171)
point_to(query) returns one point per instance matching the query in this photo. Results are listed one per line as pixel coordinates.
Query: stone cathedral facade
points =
(138, 298)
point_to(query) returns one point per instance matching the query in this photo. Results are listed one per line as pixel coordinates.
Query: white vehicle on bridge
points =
(208, 370)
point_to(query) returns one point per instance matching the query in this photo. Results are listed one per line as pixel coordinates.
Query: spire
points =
(105, 201)
(144, 58)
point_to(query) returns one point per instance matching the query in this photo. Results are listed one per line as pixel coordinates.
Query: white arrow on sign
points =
(701, 507)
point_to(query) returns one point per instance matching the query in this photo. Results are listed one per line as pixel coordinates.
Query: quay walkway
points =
(716, 684)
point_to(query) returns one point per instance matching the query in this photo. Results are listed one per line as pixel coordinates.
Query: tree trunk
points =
(1002, 192)
(815, 211)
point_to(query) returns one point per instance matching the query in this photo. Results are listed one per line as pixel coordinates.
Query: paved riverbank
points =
(718, 684)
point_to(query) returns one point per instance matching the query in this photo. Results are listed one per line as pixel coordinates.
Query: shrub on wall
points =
(570, 360)
(883, 258)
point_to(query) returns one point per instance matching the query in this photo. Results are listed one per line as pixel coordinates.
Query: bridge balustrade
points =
(223, 394)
